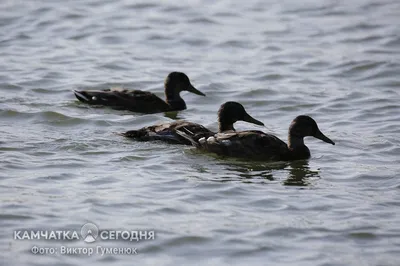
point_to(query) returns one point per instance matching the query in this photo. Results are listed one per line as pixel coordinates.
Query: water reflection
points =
(172, 115)
(298, 172)
(251, 170)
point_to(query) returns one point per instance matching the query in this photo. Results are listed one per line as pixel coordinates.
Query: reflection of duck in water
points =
(228, 114)
(258, 145)
(300, 174)
(251, 171)
(289, 173)
(143, 101)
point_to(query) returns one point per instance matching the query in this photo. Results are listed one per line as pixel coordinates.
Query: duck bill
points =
(248, 118)
(322, 137)
(194, 90)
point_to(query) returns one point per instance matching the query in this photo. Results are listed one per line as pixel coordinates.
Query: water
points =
(62, 166)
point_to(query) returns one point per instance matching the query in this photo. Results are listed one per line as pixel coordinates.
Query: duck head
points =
(177, 82)
(303, 126)
(231, 112)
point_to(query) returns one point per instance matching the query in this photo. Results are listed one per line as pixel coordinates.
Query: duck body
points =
(142, 101)
(257, 145)
(245, 144)
(167, 132)
(131, 100)
(228, 114)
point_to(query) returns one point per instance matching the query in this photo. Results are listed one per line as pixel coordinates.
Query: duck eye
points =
(314, 128)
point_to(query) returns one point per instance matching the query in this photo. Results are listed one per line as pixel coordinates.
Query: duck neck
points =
(297, 147)
(173, 98)
(225, 125)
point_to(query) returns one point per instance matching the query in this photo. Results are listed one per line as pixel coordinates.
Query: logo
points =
(89, 232)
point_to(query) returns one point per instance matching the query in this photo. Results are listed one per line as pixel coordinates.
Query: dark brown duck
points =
(258, 145)
(228, 114)
(143, 101)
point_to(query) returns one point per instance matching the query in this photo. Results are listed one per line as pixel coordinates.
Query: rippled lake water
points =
(62, 165)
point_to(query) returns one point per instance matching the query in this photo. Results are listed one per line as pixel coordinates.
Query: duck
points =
(257, 145)
(228, 114)
(142, 101)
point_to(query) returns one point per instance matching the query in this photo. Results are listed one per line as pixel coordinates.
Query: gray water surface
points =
(62, 165)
